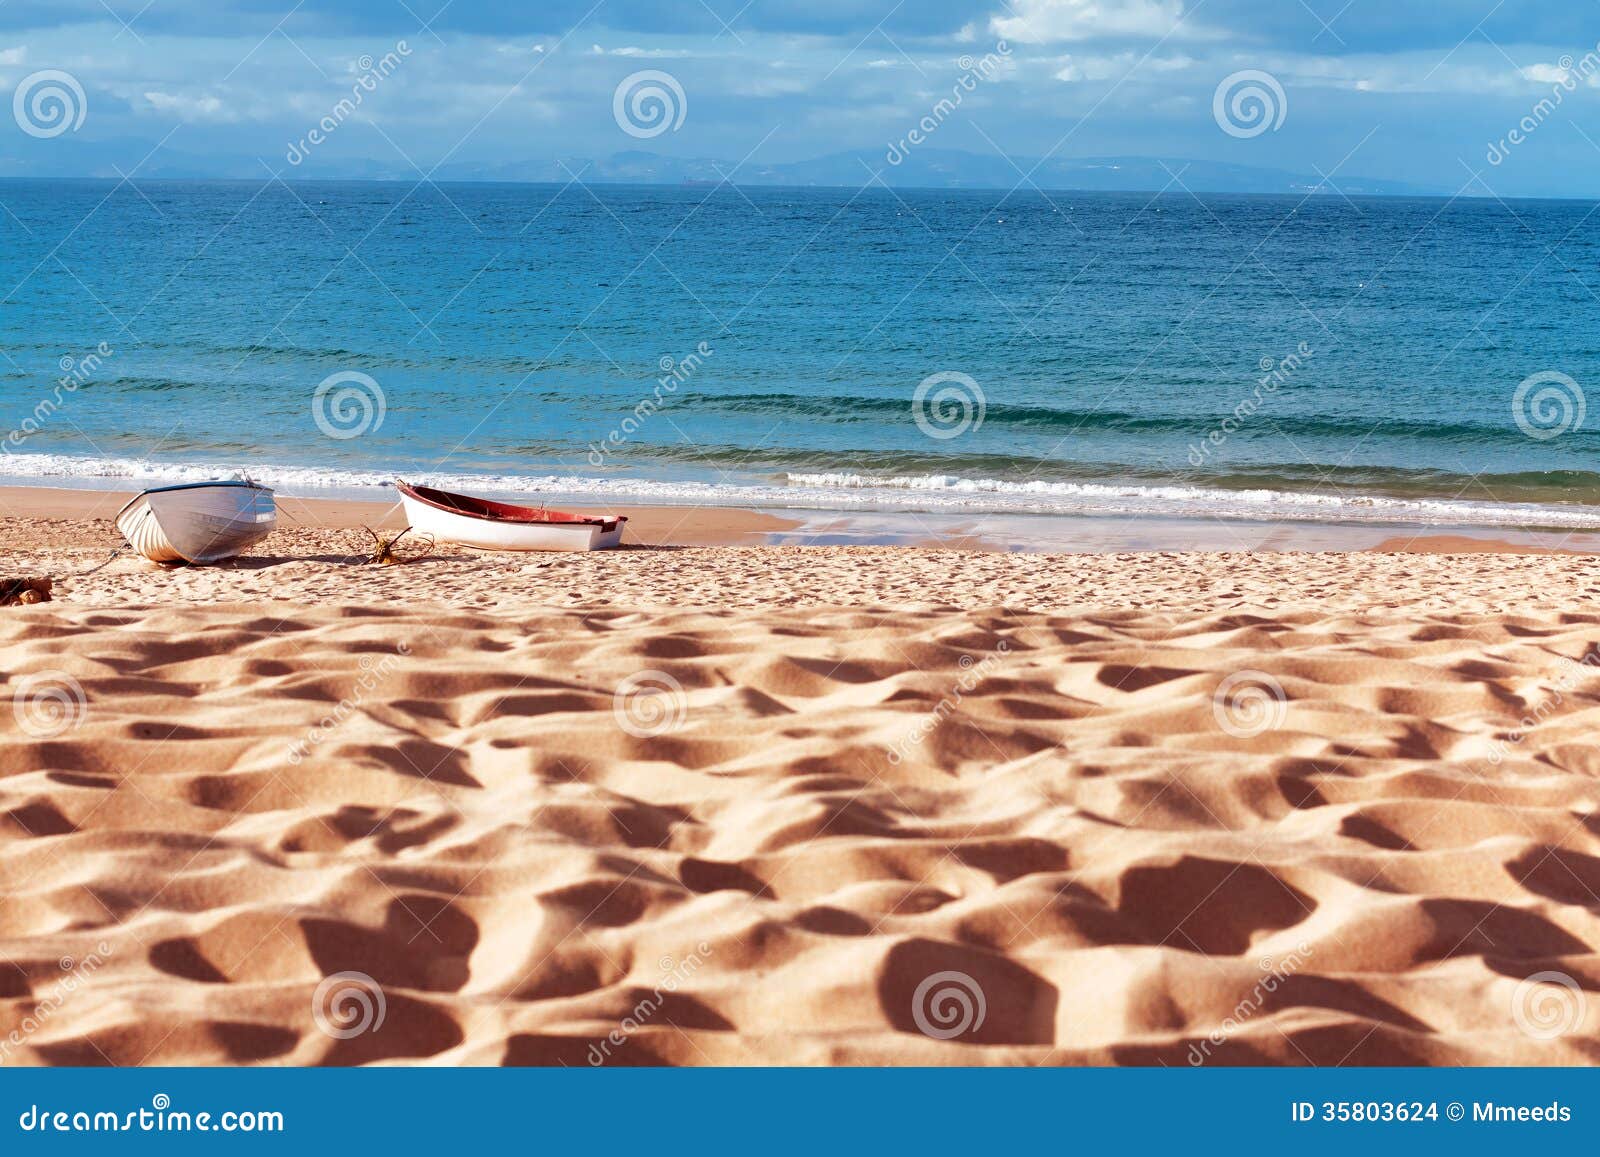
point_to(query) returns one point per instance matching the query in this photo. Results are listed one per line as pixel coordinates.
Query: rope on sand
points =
(110, 558)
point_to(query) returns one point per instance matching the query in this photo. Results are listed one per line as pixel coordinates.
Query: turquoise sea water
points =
(1251, 357)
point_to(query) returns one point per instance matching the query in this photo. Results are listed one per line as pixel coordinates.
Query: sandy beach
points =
(742, 804)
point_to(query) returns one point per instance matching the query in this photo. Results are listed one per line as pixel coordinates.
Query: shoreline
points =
(647, 525)
(301, 566)
(1106, 511)
(650, 525)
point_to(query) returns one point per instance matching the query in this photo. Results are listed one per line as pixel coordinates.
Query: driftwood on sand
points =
(383, 552)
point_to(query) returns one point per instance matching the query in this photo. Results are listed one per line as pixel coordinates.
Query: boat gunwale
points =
(230, 482)
(549, 517)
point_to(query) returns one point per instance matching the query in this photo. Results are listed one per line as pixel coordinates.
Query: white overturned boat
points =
(468, 521)
(198, 522)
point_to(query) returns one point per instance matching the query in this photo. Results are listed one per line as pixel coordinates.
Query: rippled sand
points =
(812, 806)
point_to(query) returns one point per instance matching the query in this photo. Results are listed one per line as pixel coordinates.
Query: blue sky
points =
(1389, 89)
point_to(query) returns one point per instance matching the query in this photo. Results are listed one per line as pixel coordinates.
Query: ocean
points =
(1378, 360)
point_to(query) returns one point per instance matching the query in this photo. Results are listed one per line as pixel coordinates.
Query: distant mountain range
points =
(921, 169)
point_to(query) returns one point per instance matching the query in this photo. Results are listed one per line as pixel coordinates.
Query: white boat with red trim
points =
(488, 525)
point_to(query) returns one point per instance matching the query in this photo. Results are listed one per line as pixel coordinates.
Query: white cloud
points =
(1545, 73)
(190, 108)
(1118, 66)
(756, 84)
(13, 55)
(1566, 76)
(635, 50)
(1479, 73)
(1049, 21)
(1472, 70)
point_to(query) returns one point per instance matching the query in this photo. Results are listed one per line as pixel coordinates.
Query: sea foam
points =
(933, 493)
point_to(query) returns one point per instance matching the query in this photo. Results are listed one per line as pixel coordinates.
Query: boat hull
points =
(200, 523)
(476, 530)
